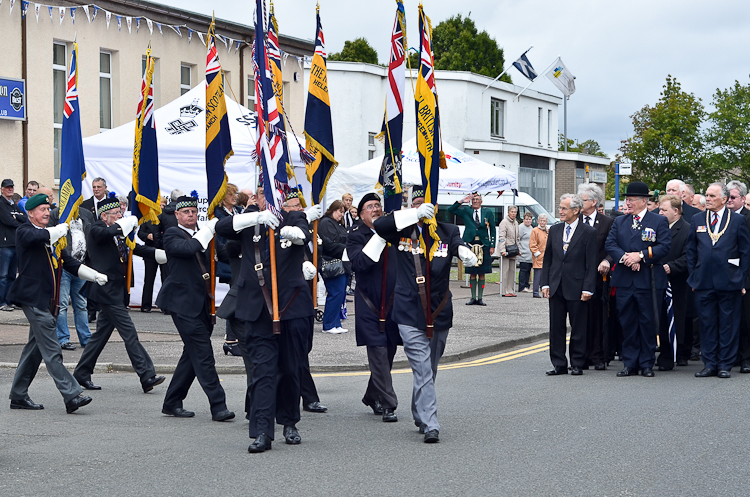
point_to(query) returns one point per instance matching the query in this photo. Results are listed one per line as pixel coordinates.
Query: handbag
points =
(512, 250)
(331, 268)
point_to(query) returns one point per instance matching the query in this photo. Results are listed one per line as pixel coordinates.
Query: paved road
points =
(507, 429)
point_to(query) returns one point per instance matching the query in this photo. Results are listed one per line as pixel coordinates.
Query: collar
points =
(573, 225)
(187, 230)
(592, 216)
(720, 213)
(642, 214)
(675, 222)
(739, 211)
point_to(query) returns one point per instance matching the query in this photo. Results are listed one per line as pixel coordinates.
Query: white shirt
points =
(642, 213)
(592, 218)
(188, 231)
(477, 214)
(718, 223)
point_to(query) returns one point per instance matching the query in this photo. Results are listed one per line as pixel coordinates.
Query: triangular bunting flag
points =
(176, 29)
(190, 35)
(73, 14)
(62, 14)
(237, 47)
(108, 14)
(96, 11)
(137, 24)
(119, 23)
(200, 35)
(24, 8)
(229, 46)
(51, 19)
(36, 11)
(130, 23)
(86, 11)
(158, 25)
(12, 2)
(150, 25)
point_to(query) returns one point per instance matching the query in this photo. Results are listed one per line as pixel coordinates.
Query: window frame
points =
(107, 76)
(57, 127)
(184, 88)
(497, 118)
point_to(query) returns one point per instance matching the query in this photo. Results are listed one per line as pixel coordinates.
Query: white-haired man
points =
(678, 187)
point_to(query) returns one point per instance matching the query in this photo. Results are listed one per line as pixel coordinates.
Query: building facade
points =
(110, 70)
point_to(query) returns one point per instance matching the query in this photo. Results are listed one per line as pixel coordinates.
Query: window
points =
(371, 139)
(497, 111)
(226, 80)
(59, 80)
(105, 91)
(549, 128)
(370, 154)
(250, 92)
(371, 145)
(539, 126)
(185, 79)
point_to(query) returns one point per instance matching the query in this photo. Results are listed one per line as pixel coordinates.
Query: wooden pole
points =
(129, 276)
(426, 236)
(315, 263)
(211, 249)
(383, 290)
(274, 283)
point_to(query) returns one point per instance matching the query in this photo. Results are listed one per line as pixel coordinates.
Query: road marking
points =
(506, 356)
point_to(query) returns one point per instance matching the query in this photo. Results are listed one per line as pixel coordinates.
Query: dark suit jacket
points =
(370, 283)
(677, 256)
(407, 308)
(36, 280)
(688, 211)
(574, 271)
(184, 290)
(709, 264)
(88, 204)
(471, 229)
(104, 256)
(602, 225)
(623, 238)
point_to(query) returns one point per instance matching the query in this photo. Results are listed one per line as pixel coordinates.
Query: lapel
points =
(576, 236)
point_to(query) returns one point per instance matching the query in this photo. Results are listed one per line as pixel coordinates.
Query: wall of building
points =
(11, 132)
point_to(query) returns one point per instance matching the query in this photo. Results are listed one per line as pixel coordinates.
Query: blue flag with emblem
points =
(525, 67)
(72, 166)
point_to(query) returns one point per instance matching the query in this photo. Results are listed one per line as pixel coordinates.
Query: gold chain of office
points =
(715, 236)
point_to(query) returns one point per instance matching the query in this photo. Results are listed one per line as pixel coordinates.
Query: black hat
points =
(294, 192)
(367, 198)
(417, 192)
(7, 182)
(108, 203)
(186, 201)
(637, 189)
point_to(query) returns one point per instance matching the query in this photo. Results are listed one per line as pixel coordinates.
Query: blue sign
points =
(12, 99)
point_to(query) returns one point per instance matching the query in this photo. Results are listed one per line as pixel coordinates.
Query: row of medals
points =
(404, 245)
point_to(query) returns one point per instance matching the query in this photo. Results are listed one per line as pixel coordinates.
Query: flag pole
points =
(506, 70)
(130, 270)
(315, 263)
(274, 283)
(211, 252)
(518, 97)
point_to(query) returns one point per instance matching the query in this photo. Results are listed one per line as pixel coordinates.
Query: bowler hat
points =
(637, 189)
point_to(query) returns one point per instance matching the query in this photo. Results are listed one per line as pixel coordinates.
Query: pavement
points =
(504, 323)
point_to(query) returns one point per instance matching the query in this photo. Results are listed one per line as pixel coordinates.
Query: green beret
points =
(36, 201)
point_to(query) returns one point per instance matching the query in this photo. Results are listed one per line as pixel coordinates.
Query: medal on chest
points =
(636, 224)
(404, 244)
(648, 235)
(284, 242)
(442, 250)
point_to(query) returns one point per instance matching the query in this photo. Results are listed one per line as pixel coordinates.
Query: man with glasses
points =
(736, 203)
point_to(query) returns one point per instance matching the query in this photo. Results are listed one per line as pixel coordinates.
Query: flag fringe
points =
(219, 198)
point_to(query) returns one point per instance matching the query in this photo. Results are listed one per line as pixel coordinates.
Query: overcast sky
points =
(620, 52)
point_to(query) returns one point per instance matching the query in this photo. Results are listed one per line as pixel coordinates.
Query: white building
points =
(520, 135)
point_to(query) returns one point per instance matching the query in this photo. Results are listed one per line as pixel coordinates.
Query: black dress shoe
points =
(556, 371)
(291, 435)
(145, 309)
(389, 416)
(695, 357)
(628, 372)
(262, 443)
(431, 437)
(471, 301)
(92, 316)
(705, 373)
(224, 415)
(26, 403)
(68, 346)
(576, 371)
(745, 368)
(149, 384)
(724, 374)
(377, 409)
(648, 372)
(665, 368)
(479, 302)
(683, 362)
(177, 412)
(315, 407)
(600, 366)
(89, 385)
(73, 404)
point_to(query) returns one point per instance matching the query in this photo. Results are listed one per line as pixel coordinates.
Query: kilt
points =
(485, 267)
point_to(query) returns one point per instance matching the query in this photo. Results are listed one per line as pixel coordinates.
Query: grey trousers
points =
(420, 354)
(111, 317)
(380, 387)
(42, 344)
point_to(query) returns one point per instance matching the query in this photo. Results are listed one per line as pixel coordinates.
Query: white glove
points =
(211, 224)
(314, 213)
(57, 232)
(127, 224)
(205, 235)
(467, 256)
(293, 234)
(425, 211)
(308, 269)
(269, 219)
(374, 248)
(160, 256)
(88, 274)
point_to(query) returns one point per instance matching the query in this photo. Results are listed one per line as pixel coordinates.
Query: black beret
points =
(367, 198)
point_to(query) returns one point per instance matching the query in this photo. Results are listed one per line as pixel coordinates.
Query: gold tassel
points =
(443, 164)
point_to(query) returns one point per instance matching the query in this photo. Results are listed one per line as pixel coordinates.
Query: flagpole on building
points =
(518, 97)
(565, 121)
(506, 70)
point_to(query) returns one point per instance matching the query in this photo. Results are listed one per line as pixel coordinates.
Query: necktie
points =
(714, 221)
(567, 239)
(637, 218)
(476, 216)
(587, 220)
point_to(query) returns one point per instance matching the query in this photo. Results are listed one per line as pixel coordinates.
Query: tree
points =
(589, 147)
(728, 138)
(667, 141)
(459, 46)
(358, 50)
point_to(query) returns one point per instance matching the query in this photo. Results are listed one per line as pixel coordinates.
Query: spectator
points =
(537, 244)
(348, 221)
(699, 202)
(687, 194)
(600, 209)
(227, 207)
(99, 186)
(31, 188)
(15, 199)
(333, 234)
(508, 235)
(250, 198)
(11, 217)
(242, 200)
(123, 204)
(355, 215)
(524, 258)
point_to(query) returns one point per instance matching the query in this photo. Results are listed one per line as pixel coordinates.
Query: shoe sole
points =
(258, 450)
(158, 382)
(170, 413)
(25, 408)
(390, 420)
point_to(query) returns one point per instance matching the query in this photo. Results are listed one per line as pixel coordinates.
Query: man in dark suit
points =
(569, 281)
(675, 265)
(34, 291)
(591, 195)
(108, 254)
(186, 296)
(479, 233)
(405, 229)
(372, 261)
(736, 203)
(718, 256)
(678, 187)
(99, 186)
(637, 243)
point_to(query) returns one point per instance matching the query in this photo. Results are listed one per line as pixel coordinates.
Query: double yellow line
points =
(506, 356)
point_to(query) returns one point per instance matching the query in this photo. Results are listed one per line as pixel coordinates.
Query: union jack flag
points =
(71, 93)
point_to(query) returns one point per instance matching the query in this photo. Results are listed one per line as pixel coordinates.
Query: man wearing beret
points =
(108, 253)
(369, 256)
(34, 290)
(637, 243)
(186, 296)
(11, 217)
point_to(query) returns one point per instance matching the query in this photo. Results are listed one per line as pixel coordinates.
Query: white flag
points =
(86, 11)
(150, 25)
(200, 35)
(12, 2)
(62, 14)
(36, 11)
(108, 14)
(130, 23)
(562, 78)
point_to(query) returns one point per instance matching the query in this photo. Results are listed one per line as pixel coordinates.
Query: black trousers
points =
(276, 359)
(559, 310)
(150, 268)
(197, 361)
(307, 386)
(638, 328)
(238, 332)
(596, 328)
(380, 387)
(111, 317)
